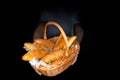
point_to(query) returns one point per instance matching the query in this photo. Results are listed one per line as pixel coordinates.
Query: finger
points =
(75, 60)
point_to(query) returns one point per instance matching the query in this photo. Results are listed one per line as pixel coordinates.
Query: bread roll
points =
(34, 54)
(52, 56)
(44, 42)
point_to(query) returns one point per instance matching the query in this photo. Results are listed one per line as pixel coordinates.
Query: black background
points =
(84, 68)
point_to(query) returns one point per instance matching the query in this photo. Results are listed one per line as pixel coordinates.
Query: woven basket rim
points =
(66, 61)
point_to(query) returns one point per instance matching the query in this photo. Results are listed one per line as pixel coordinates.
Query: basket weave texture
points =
(60, 65)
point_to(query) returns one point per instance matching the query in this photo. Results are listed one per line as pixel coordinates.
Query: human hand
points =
(37, 71)
(75, 60)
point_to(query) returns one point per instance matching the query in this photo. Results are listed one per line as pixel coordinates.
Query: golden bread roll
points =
(59, 45)
(44, 42)
(34, 54)
(52, 56)
(30, 46)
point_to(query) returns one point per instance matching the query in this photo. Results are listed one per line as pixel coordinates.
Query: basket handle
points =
(59, 27)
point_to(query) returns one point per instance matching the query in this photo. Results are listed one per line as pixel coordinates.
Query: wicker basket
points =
(63, 63)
